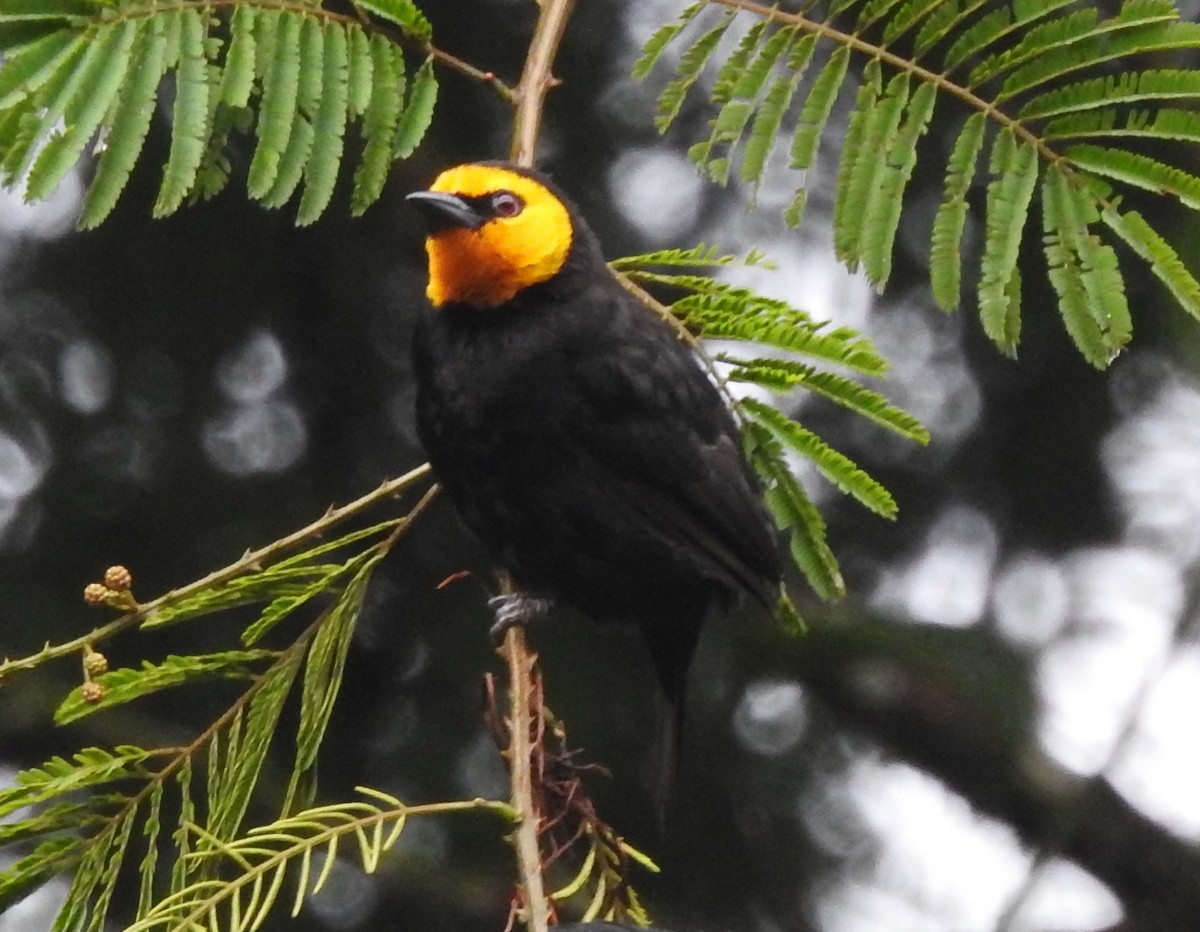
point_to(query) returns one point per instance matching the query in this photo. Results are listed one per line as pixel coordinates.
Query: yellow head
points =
(493, 231)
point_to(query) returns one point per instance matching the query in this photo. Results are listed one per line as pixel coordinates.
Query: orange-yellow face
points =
(493, 233)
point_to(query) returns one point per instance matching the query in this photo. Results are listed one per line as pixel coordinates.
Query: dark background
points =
(995, 731)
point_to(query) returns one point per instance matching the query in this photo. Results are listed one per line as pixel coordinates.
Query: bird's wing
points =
(657, 433)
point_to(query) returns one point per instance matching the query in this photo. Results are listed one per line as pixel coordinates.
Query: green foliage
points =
(834, 466)
(1016, 75)
(303, 847)
(121, 686)
(296, 77)
(711, 308)
(86, 812)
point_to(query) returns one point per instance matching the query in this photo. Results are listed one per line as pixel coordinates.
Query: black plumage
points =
(582, 442)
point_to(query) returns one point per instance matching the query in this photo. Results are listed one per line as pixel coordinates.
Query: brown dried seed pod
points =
(95, 663)
(95, 593)
(119, 578)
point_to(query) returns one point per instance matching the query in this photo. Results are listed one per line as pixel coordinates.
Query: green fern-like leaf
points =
(785, 374)
(290, 168)
(1164, 261)
(1078, 28)
(151, 828)
(281, 83)
(49, 859)
(102, 797)
(329, 127)
(811, 124)
(418, 113)
(91, 74)
(882, 217)
(662, 38)
(59, 776)
(912, 14)
(872, 11)
(237, 80)
(945, 253)
(245, 590)
(91, 890)
(30, 66)
(783, 328)
(834, 466)
(403, 13)
(1014, 168)
(1020, 67)
(873, 112)
(734, 66)
(713, 308)
(361, 68)
(981, 35)
(698, 256)
(1155, 37)
(941, 23)
(379, 125)
(794, 512)
(129, 126)
(1126, 87)
(245, 760)
(101, 72)
(47, 820)
(65, 88)
(1138, 170)
(769, 118)
(189, 118)
(323, 675)
(1083, 273)
(670, 102)
(125, 685)
(262, 860)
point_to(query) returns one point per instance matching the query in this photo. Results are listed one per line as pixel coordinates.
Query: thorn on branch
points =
(569, 829)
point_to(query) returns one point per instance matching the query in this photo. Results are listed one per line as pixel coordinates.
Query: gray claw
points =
(515, 608)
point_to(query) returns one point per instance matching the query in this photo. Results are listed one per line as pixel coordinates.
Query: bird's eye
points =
(506, 204)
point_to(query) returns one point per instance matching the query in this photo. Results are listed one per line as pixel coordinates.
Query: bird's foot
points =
(515, 608)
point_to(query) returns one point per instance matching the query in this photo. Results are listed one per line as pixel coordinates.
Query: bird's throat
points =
(488, 267)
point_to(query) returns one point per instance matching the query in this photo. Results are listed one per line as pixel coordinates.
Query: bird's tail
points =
(671, 652)
(669, 749)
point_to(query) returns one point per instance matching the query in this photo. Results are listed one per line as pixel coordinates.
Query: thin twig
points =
(466, 68)
(249, 561)
(184, 754)
(939, 80)
(395, 34)
(537, 78)
(522, 697)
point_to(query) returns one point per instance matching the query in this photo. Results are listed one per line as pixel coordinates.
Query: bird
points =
(577, 436)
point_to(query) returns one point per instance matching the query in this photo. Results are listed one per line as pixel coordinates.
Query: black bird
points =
(577, 436)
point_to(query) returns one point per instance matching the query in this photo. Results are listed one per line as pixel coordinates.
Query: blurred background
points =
(995, 731)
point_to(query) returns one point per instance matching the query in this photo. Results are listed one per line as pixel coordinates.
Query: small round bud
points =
(91, 692)
(119, 578)
(95, 663)
(95, 593)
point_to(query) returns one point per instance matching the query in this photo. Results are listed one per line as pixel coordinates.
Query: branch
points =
(536, 79)
(455, 63)
(938, 721)
(941, 81)
(251, 560)
(523, 702)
